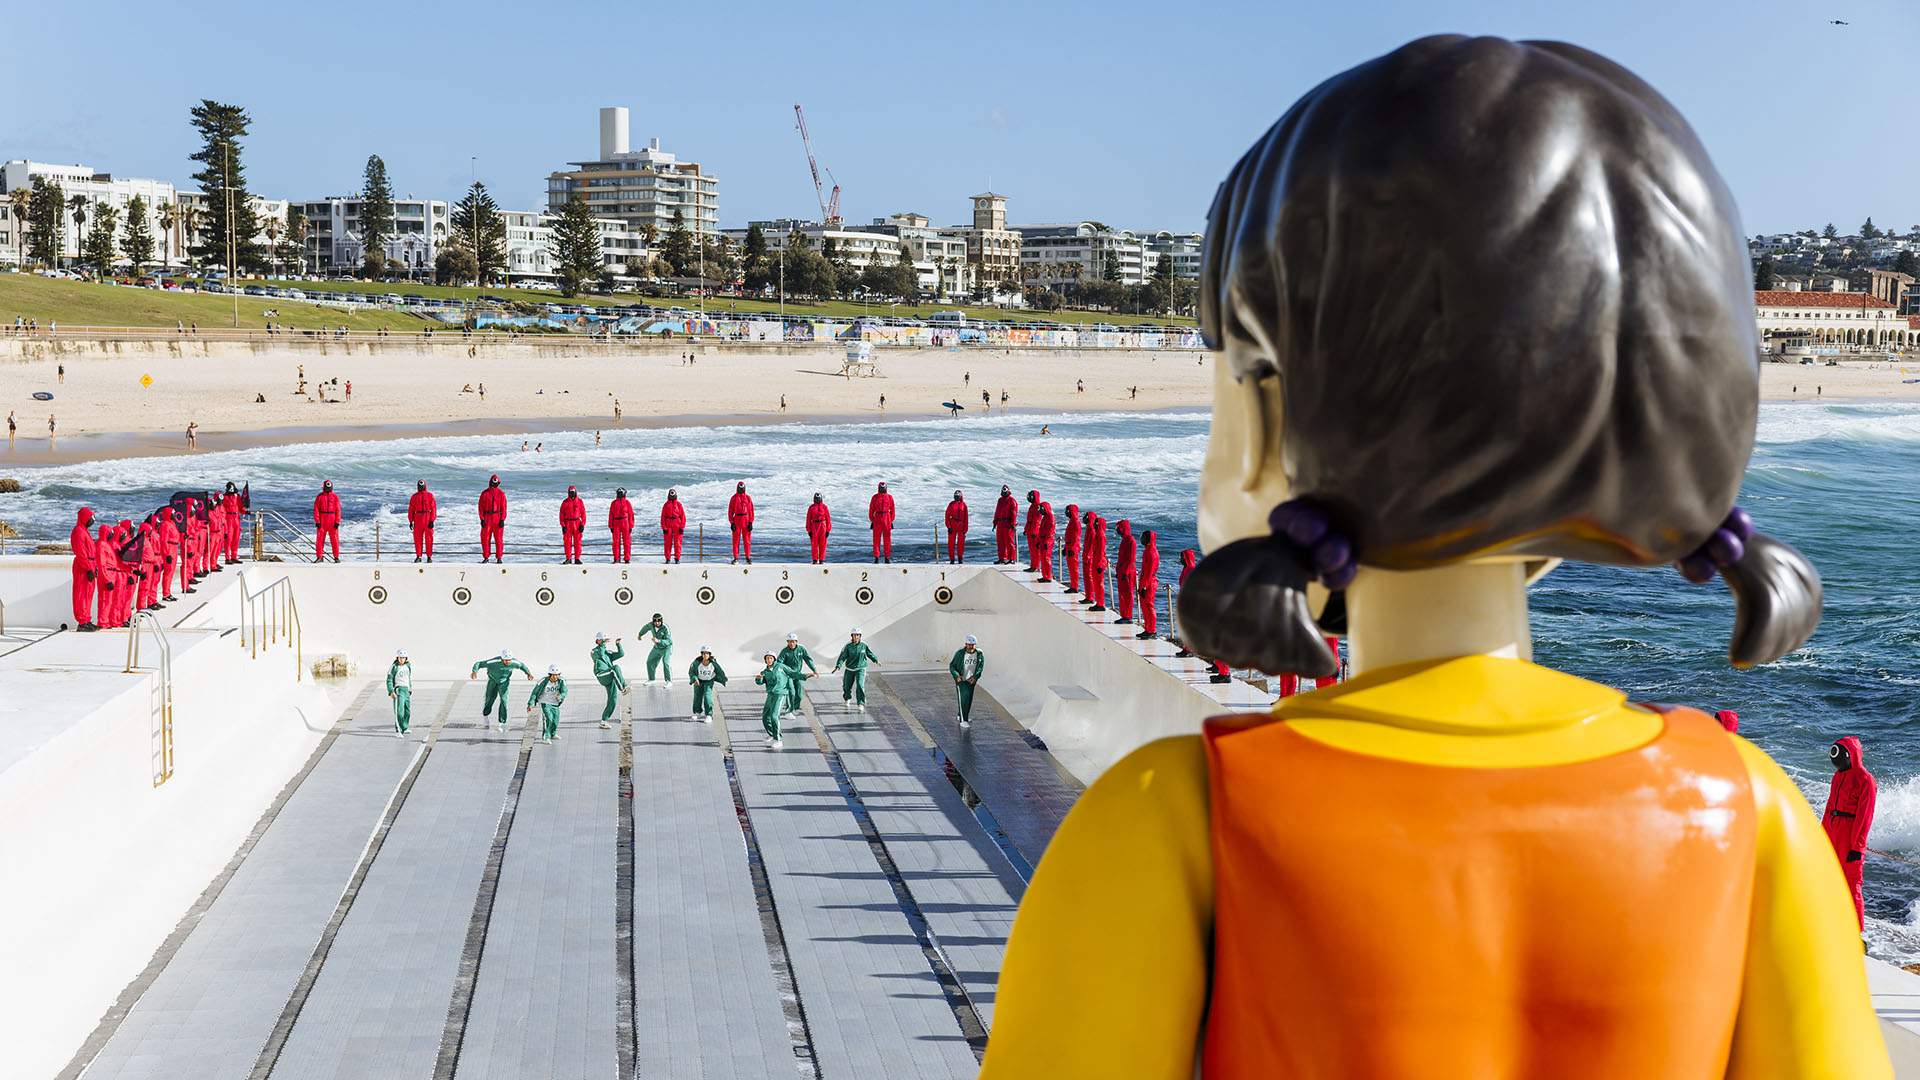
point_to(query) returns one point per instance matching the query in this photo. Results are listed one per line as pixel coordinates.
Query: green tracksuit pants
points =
(660, 662)
(965, 692)
(549, 719)
(495, 692)
(853, 685)
(702, 699)
(612, 683)
(402, 708)
(770, 714)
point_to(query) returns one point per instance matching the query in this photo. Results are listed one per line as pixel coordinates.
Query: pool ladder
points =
(160, 691)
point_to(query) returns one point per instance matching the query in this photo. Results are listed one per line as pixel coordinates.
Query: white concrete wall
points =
(99, 864)
(37, 590)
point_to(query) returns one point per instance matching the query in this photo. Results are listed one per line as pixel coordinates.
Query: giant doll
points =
(1479, 306)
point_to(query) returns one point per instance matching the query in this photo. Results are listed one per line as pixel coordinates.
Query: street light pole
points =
(226, 156)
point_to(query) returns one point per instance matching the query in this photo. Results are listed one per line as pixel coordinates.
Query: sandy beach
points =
(104, 410)
(127, 399)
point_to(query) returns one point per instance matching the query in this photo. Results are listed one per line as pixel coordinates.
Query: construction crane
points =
(829, 207)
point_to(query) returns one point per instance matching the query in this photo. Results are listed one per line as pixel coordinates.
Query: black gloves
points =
(1853, 856)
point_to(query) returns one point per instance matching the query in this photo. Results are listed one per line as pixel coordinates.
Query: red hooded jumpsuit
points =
(1126, 579)
(1070, 549)
(1045, 534)
(819, 524)
(1031, 528)
(107, 566)
(673, 526)
(620, 524)
(1098, 560)
(169, 535)
(956, 520)
(880, 516)
(1148, 583)
(234, 514)
(1006, 514)
(85, 568)
(422, 510)
(493, 519)
(149, 594)
(326, 524)
(573, 525)
(740, 520)
(1849, 818)
(1189, 559)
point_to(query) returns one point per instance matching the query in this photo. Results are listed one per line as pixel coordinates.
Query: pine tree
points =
(677, 249)
(223, 179)
(1763, 274)
(137, 241)
(46, 221)
(98, 248)
(1907, 263)
(1868, 230)
(574, 240)
(756, 248)
(376, 215)
(477, 221)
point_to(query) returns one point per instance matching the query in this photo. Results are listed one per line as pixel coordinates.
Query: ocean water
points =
(1834, 479)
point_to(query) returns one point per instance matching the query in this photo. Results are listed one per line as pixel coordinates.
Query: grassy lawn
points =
(84, 303)
(844, 309)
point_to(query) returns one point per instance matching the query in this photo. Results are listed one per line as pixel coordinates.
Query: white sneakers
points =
(775, 744)
(963, 721)
(604, 725)
(398, 734)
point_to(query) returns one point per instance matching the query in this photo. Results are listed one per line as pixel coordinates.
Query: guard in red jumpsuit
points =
(1849, 814)
(210, 525)
(493, 520)
(107, 561)
(422, 510)
(1044, 536)
(1070, 549)
(673, 526)
(880, 517)
(86, 575)
(147, 543)
(1006, 516)
(1148, 584)
(957, 530)
(1099, 565)
(169, 534)
(620, 524)
(819, 524)
(326, 522)
(1190, 558)
(1087, 519)
(740, 520)
(236, 504)
(573, 526)
(1126, 578)
(1031, 528)
(188, 524)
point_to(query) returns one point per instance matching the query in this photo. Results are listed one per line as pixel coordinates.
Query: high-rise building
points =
(640, 187)
(993, 250)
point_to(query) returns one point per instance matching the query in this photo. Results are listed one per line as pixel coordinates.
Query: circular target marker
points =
(543, 596)
(377, 594)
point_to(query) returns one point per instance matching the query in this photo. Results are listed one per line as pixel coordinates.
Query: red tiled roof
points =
(1786, 298)
(1913, 322)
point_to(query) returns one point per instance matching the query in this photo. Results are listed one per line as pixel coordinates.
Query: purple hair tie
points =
(1727, 546)
(1309, 528)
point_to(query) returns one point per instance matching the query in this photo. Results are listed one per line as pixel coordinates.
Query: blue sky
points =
(1121, 111)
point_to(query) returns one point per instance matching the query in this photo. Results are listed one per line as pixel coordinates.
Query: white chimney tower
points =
(613, 132)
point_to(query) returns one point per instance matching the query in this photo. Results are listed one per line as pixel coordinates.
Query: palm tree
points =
(79, 205)
(21, 200)
(272, 228)
(189, 218)
(166, 215)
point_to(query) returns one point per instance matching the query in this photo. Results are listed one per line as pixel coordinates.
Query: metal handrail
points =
(269, 525)
(266, 615)
(142, 624)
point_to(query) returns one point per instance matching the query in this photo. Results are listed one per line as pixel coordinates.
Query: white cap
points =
(793, 637)
(601, 636)
(506, 654)
(706, 648)
(553, 669)
(856, 631)
(971, 640)
(399, 654)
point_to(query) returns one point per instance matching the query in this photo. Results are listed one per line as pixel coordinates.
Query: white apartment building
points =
(334, 237)
(1791, 317)
(1183, 248)
(1080, 252)
(98, 189)
(640, 187)
(269, 223)
(860, 246)
(939, 254)
(623, 251)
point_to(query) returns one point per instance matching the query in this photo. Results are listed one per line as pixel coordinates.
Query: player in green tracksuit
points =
(966, 668)
(782, 685)
(704, 673)
(793, 657)
(609, 674)
(400, 689)
(500, 671)
(852, 664)
(660, 657)
(548, 693)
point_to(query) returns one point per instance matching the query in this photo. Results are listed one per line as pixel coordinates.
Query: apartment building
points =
(640, 187)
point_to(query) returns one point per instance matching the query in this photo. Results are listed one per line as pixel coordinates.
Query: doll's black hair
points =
(1505, 302)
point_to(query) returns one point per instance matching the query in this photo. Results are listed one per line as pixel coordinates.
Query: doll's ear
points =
(1246, 605)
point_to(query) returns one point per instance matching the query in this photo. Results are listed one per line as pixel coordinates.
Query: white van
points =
(947, 318)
